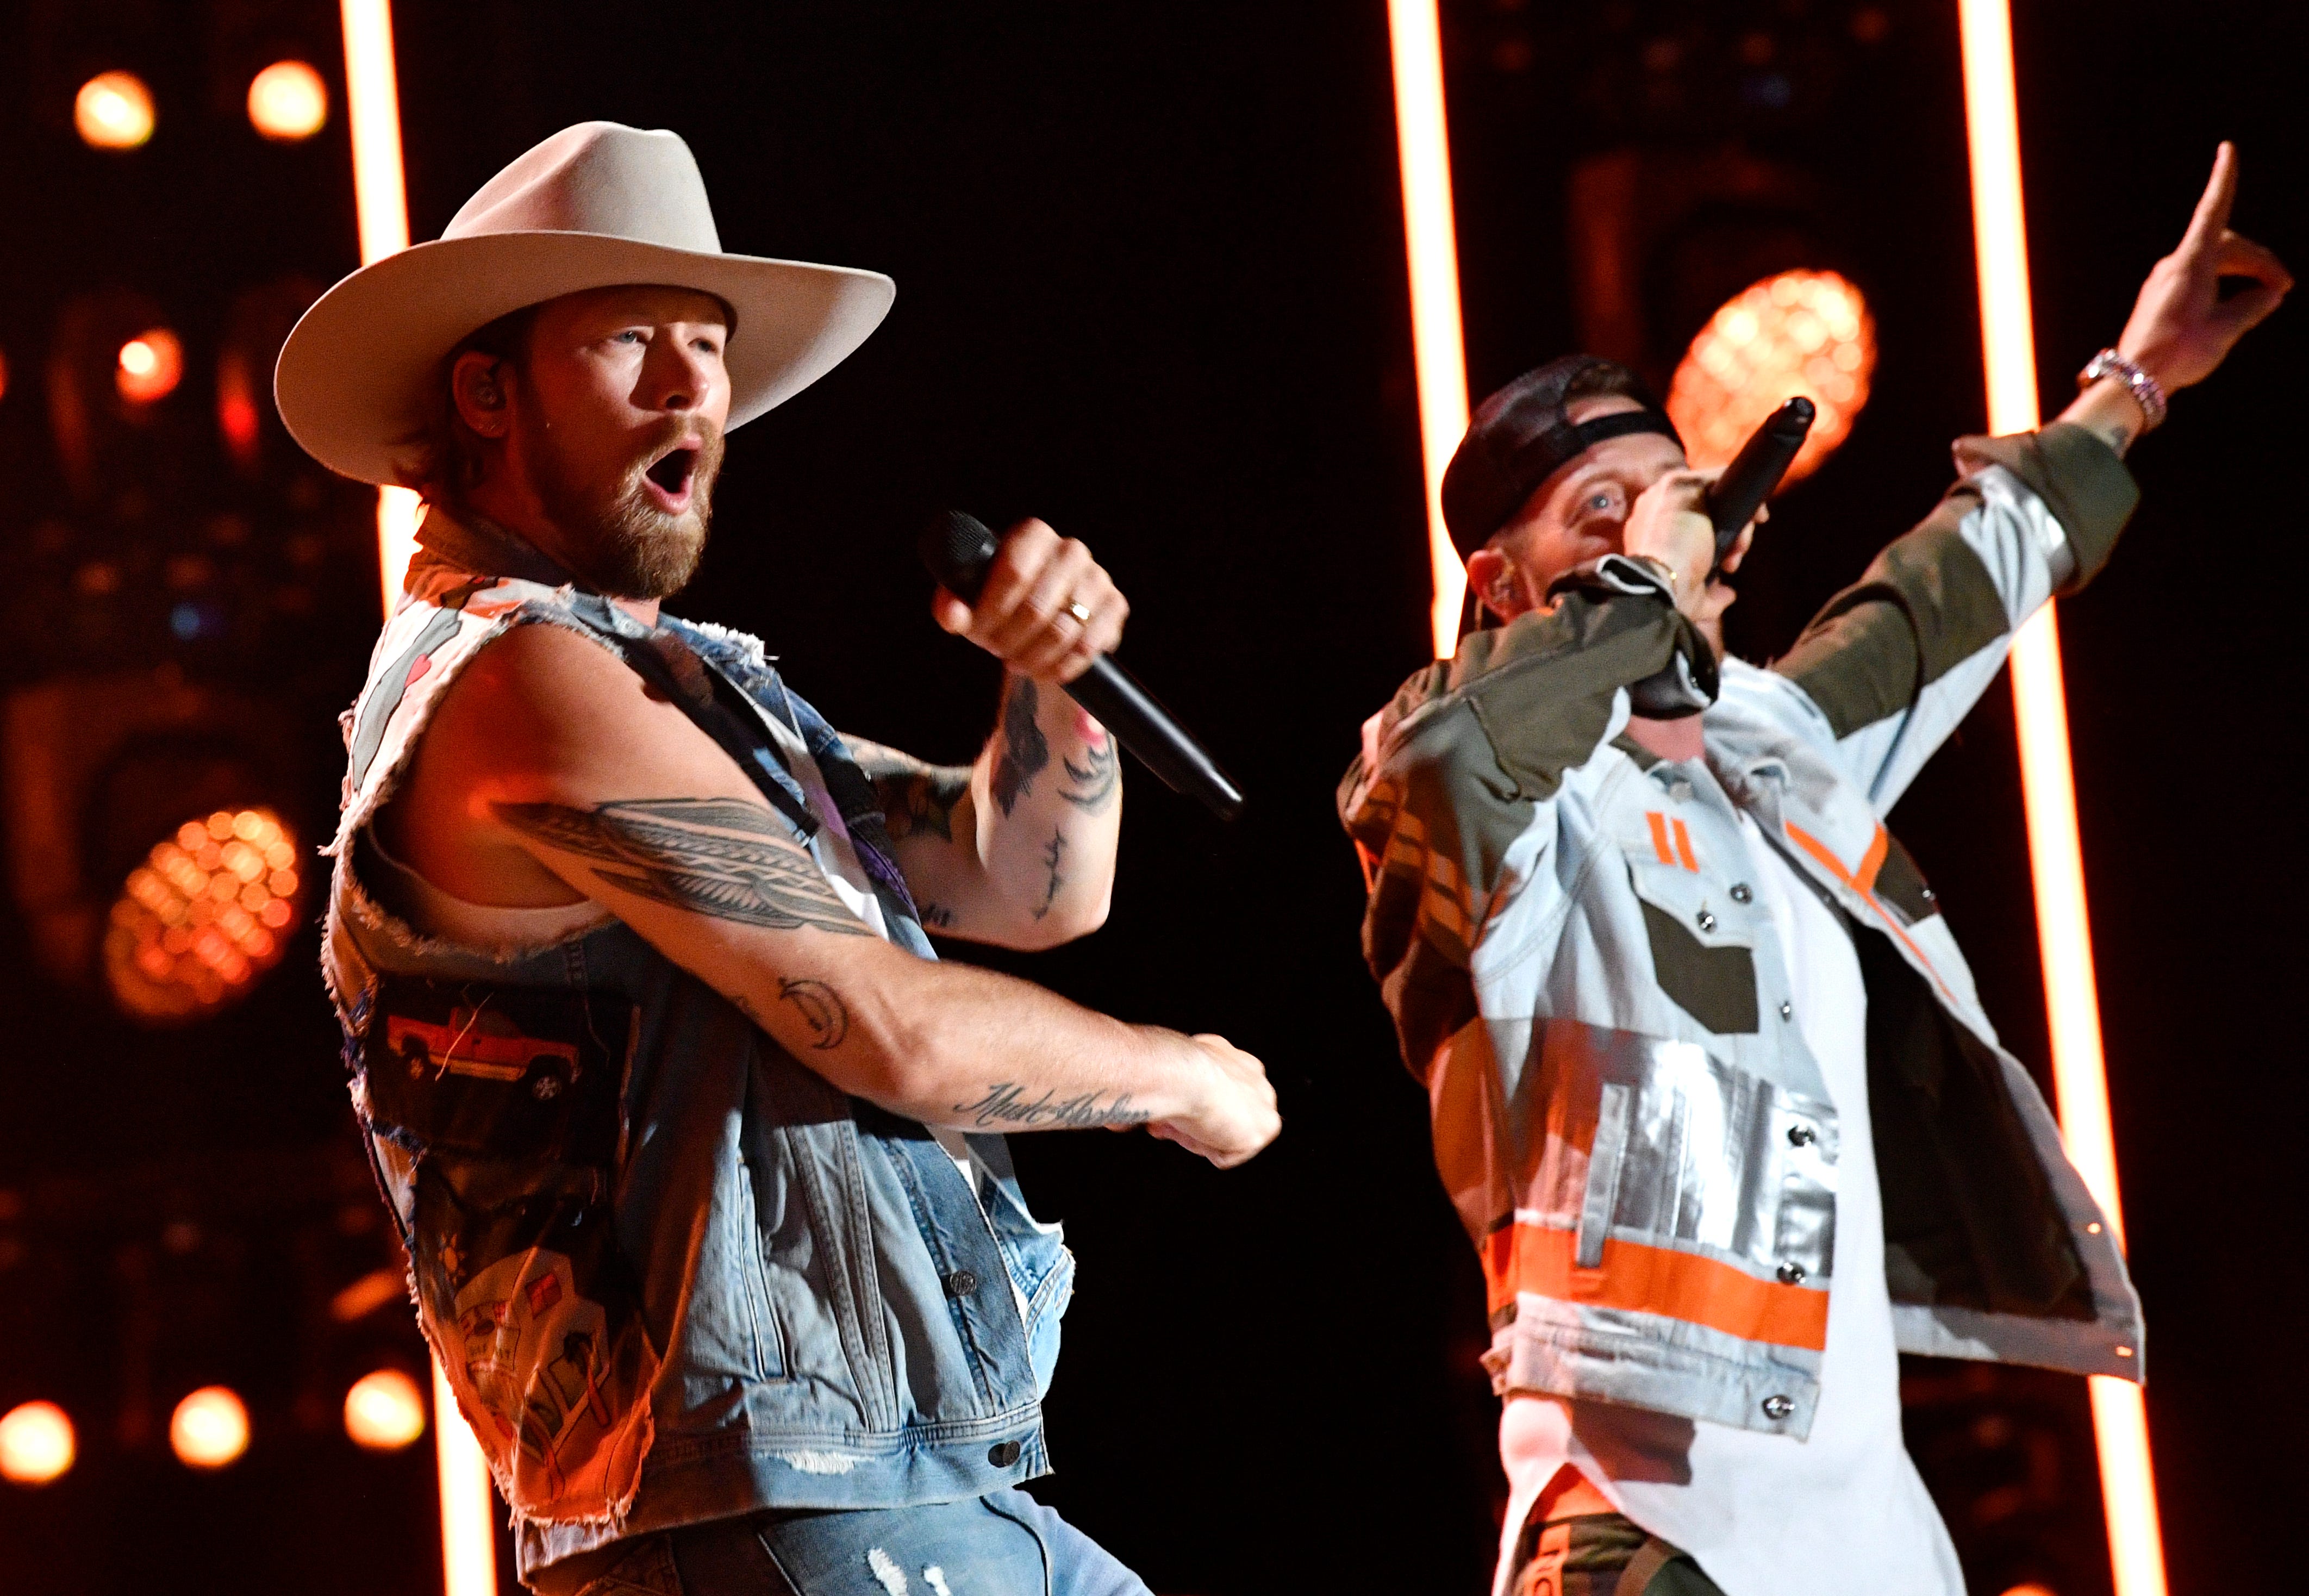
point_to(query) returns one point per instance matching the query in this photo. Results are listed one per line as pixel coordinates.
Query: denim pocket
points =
(507, 1099)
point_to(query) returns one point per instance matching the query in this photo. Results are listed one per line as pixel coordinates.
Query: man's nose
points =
(676, 377)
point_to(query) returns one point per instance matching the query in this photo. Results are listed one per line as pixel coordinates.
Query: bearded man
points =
(694, 1145)
(1711, 1087)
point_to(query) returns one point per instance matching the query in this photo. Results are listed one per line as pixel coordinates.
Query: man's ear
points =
(477, 384)
(1491, 579)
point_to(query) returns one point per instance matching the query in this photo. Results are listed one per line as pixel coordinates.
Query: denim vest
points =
(672, 1273)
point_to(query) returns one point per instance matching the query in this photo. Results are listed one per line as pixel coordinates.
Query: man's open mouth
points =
(671, 473)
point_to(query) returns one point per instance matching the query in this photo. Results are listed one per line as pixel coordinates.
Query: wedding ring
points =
(1080, 612)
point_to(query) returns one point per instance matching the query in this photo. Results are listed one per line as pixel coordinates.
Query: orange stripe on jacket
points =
(1684, 848)
(1659, 836)
(1870, 863)
(1685, 1286)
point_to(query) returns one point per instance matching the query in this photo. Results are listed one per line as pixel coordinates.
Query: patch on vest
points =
(510, 1099)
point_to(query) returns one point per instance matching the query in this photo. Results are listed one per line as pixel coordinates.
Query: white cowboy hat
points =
(596, 205)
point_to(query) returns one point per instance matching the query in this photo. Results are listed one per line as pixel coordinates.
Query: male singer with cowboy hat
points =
(695, 1147)
(1711, 1087)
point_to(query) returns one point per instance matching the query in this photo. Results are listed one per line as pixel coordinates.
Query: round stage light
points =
(209, 911)
(36, 1444)
(114, 110)
(384, 1411)
(210, 1429)
(288, 102)
(1805, 333)
(149, 367)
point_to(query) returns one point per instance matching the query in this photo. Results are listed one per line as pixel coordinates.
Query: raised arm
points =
(550, 750)
(1892, 663)
(1018, 848)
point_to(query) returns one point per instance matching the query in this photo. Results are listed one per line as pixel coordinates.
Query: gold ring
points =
(1080, 612)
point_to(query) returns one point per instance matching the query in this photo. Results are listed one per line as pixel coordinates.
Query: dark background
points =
(1151, 289)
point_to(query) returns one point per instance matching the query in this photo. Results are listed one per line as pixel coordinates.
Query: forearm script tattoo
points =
(1006, 1103)
(714, 857)
(1025, 751)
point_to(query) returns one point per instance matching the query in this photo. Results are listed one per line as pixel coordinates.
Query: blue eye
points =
(629, 336)
(1600, 501)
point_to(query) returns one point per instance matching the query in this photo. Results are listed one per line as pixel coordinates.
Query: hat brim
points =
(355, 382)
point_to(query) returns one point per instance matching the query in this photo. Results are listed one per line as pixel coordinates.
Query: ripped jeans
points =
(1002, 1544)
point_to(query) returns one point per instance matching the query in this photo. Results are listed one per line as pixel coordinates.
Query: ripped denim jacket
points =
(672, 1273)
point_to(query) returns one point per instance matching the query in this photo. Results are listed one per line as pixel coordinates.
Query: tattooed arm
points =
(1018, 849)
(548, 775)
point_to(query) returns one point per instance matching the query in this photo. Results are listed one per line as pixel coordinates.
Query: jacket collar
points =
(473, 543)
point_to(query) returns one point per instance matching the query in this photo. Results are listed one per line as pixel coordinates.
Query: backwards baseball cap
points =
(1520, 437)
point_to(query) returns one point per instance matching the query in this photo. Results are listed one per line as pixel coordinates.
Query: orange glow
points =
(4, 374)
(1438, 353)
(384, 1411)
(113, 111)
(288, 102)
(210, 910)
(372, 100)
(210, 1429)
(2047, 779)
(1805, 333)
(467, 1540)
(237, 417)
(151, 366)
(37, 1443)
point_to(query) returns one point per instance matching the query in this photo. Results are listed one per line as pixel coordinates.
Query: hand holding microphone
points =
(1045, 609)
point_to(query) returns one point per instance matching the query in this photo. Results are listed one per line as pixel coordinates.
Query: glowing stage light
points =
(210, 1429)
(2047, 777)
(384, 1411)
(3, 373)
(469, 1554)
(1805, 333)
(113, 111)
(37, 1443)
(288, 102)
(209, 911)
(1437, 353)
(149, 367)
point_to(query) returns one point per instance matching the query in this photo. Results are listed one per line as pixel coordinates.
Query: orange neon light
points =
(381, 203)
(469, 1550)
(2047, 782)
(1437, 354)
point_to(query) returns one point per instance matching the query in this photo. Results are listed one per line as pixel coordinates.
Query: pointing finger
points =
(2212, 212)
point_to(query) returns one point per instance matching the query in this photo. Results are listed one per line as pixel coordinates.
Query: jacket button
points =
(961, 1283)
(1706, 921)
(1741, 892)
(1778, 1407)
(1792, 1274)
(1802, 1136)
(1787, 1010)
(1003, 1453)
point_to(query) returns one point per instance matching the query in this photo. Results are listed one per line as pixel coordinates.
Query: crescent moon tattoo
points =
(821, 1010)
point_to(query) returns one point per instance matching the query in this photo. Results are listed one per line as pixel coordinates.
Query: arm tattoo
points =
(917, 798)
(822, 1009)
(1006, 1104)
(1054, 851)
(1094, 782)
(718, 857)
(937, 917)
(1025, 751)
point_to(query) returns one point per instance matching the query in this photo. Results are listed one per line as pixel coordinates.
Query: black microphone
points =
(1754, 471)
(959, 549)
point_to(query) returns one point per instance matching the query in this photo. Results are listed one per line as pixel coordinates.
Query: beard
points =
(616, 538)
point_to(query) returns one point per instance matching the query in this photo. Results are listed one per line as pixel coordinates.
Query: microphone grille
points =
(957, 547)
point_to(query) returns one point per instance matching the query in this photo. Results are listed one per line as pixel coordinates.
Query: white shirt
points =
(1843, 1512)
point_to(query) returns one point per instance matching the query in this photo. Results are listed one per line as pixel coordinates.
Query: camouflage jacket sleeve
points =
(1464, 766)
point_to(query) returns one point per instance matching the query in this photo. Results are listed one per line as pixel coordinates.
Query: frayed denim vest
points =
(672, 1273)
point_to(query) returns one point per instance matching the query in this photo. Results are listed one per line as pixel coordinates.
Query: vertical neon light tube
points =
(1437, 354)
(2047, 782)
(381, 203)
(468, 1552)
(380, 200)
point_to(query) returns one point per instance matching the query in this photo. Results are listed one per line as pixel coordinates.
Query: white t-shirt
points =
(1844, 1511)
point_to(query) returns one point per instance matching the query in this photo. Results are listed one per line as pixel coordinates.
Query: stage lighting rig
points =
(209, 1429)
(113, 111)
(38, 1445)
(288, 102)
(1807, 332)
(384, 1411)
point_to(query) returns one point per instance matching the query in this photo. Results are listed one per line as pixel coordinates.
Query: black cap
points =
(1520, 438)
